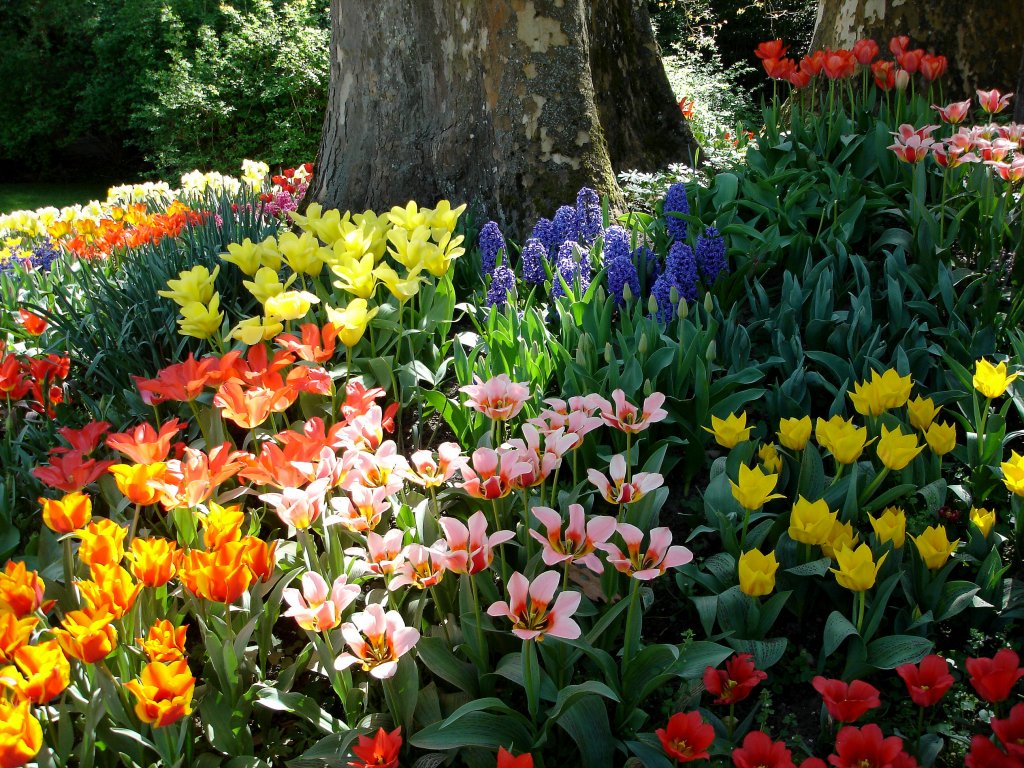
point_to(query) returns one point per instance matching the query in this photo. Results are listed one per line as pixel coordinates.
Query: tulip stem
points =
(481, 649)
(532, 691)
(134, 526)
(860, 599)
(526, 523)
(69, 573)
(872, 486)
(632, 641)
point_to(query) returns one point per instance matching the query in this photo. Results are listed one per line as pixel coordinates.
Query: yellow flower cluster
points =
(199, 303)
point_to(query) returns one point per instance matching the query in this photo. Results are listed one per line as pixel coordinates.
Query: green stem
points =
(532, 691)
(69, 573)
(872, 486)
(632, 641)
(860, 599)
(477, 614)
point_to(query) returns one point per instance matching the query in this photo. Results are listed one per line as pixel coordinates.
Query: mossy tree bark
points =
(514, 104)
(981, 38)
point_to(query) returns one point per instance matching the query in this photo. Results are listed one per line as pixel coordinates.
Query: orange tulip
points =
(164, 691)
(21, 590)
(87, 635)
(154, 561)
(140, 483)
(222, 525)
(102, 543)
(220, 576)
(14, 633)
(144, 445)
(67, 514)
(111, 590)
(33, 324)
(165, 642)
(40, 672)
(248, 408)
(21, 736)
(259, 557)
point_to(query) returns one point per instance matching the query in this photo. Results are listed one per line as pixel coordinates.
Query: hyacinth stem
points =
(632, 641)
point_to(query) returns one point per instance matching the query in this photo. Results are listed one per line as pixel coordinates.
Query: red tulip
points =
(898, 45)
(865, 748)
(812, 63)
(736, 681)
(32, 323)
(506, 760)
(779, 69)
(984, 754)
(839, 65)
(380, 751)
(994, 678)
(884, 73)
(771, 49)
(933, 67)
(798, 78)
(910, 60)
(865, 51)
(686, 737)
(846, 702)
(759, 751)
(928, 682)
(1011, 731)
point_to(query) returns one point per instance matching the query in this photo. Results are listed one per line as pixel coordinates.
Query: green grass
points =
(17, 197)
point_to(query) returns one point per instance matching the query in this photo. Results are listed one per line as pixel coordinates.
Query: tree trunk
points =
(981, 38)
(489, 102)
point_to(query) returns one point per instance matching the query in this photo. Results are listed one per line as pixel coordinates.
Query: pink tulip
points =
(382, 468)
(361, 510)
(1011, 172)
(1013, 132)
(469, 549)
(628, 418)
(993, 102)
(420, 567)
(315, 608)
(364, 432)
(383, 553)
(912, 150)
(528, 608)
(298, 507)
(650, 564)
(579, 542)
(617, 490)
(376, 640)
(498, 398)
(429, 473)
(952, 156)
(491, 474)
(955, 112)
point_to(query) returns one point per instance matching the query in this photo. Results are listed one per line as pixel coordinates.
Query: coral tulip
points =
(531, 611)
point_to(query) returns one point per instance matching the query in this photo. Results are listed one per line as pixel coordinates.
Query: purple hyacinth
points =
(44, 254)
(616, 244)
(621, 271)
(681, 267)
(710, 256)
(588, 216)
(662, 293)
(566, 266)
(503, 282)
(676, 202)
(491, 243)
(544, 230)
(564, 226)
(533, 256)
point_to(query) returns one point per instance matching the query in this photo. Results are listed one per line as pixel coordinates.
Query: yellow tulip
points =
(867, 399)
(769, 456)
(409, 249)
(840, 536)
(438, 260)
(897, 450)
(794, 433)
(200, 320)
(857, 569)
(313, 213)
(301, 254)
(244, 255)
(885, 391)
(401, 289)
(730, 431)
(754, 487)
(934, 546)
(253, 330)
(842, 439)
(757, 573)
(270, 257)
(444, 217)
(811, 522)
(266, 284)
(941, 438)
(356, 275)
(991, 380)
(984, 519)
(1013, 473)
(352, 321)
(289, 305)
(377, 228)
(922, 412)
(891, 525)
(408, 218)
(193, 286)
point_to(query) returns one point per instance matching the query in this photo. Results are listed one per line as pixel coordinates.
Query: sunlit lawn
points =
(16, 197)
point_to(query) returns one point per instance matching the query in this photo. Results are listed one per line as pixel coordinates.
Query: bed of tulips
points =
(738, 481)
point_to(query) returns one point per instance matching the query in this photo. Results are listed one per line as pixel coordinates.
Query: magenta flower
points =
(955, 112)
(650, 564)
(383, 553)
(376, 640)
(491, 474)
(617, 490)
(427, 472)
(470, 549)
(579, 542)
(361, 510)
(498, 398)
(913, 144)
(317, 607)
(626, 417)
(528, 608)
